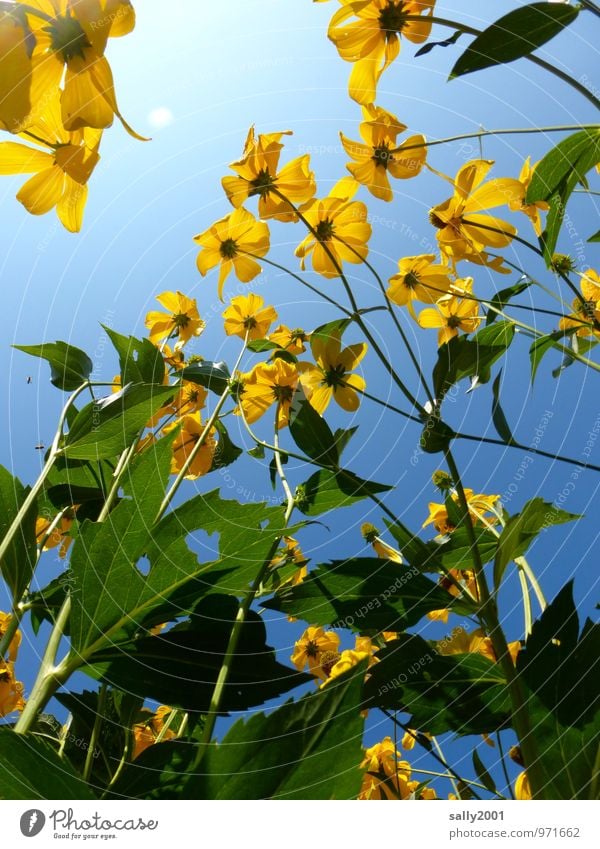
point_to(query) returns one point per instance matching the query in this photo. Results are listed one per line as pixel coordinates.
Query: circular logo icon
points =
(32, 822)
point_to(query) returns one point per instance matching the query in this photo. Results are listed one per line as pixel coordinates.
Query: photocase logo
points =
(32, 822)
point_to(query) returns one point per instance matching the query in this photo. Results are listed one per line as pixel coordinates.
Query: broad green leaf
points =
(140, 361)
(309, 749)
(462, 357)
(457, 552)
(498, 417)
(213, 376)
(559, 668)
(258, 346)
(411, 546)
(521, 530)
(333, 328)
(89, 499)
(180, 667)
(226, 452)
(31, 769)
(342, 437)
(464, 693)
(364, 594)
(503, 297)
(312, 434)
(573, 156)
(326, 490)
(19, 561)
(540, 347)
(514, 35)
(69, 366)
(104, 428)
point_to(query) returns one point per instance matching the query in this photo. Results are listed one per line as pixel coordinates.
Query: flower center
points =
(311, 648)
(283, 394)
(181, 320)
(325, 230)
(411, 281)
(262, 183)
(68, 38)
(454, 321)
(249, 322)
(228, 249)
(382, 155)
(329, 660)
(392, 18)
(334, 376)
(436, 221)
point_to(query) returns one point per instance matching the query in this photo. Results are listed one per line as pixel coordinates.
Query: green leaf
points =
(364, 594)
(258, 346)
(464, 693)
(226, 451)
(503, 297)
(595, 237)
(462, 357)
(457, 552)
(140, 361)
(312, 434)
(333, 328)
(540, 347)
(514, 35)
(258, 452)
(559, 668)
(19, 561)
(105, 427)
(326, 490)
(22, 778)
(69, 366)
(180, 667)
(309, 749)
(521, 530)
(213, 376)
(482, 773)
(498, 417)
(573, 156)
(342, 437)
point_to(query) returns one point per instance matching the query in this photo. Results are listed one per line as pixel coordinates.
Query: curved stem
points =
(89, 757)
(503, 762)
(591, 7)
(482, 133)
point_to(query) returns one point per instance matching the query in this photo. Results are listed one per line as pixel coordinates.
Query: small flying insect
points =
(29, 379)
(40, 447)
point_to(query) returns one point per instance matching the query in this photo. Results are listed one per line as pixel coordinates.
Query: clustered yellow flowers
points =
(57, 92)
(585, 318)
(11, 690)
(388, 777)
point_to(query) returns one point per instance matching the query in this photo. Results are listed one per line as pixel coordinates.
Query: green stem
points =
(489, 615)
(591, 7)
(234, 637)
(503, 762)
(124, 461)
(199, 442)
(481, 133)
(89, 757)
(528, 619)
(527, 571)
(11, 630)
(541, 63)
(438, 749)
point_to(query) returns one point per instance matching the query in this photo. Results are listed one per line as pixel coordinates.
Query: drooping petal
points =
(71, 206)
(19, 159)
(43, 191)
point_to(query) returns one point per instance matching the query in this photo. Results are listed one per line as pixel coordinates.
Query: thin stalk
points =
(447, 775)
(166, 725)
(482, 133)
(11, 630)
(234, 637)
(591, 7)
(489, 615)
(89, 757)
(541, 63)
(124, 461)
(526, 569)
(438, 749)
(199, 442)
(528, 618)
(503, 762)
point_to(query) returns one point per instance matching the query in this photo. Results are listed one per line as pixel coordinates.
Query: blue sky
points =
(196, 79)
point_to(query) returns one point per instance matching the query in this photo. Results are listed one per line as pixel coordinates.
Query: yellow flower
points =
(181, 321)
(465, 578)
(247, 314)
(419, 278)
(60, 534)
(331, 377)
(292, 340)
(450, 315)
(11, 690)
(381, 548)
(291, 554)
(268, 384)
(522, 788)
(15, 70)
(190, 399)
(386, 776)
(13, 647)
(341, 231)
(586, 310)
(379, 154)
(475, 642)
(310, 648)
(531, 210)
(479, 506)
(257, 174)
(372, 41)
(70, 40)
(227, 244)
(463, 231)
(145, 733)
(174, 359)
(347, 660)
(183, 445)
(61, 167)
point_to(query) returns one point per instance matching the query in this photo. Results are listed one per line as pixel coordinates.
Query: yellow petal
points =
(71, 206)
(43, 191)
(18, 159)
